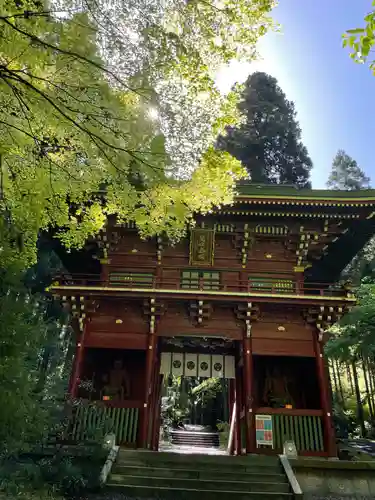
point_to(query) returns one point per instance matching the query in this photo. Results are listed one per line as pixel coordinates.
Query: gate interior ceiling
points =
(197, 365)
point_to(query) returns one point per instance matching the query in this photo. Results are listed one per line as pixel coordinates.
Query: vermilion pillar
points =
(157, 415)
(150, 359)
(77, 364)
(238, 436)
(232, 412)
(154, 406)
(329, 434)
(248, 396)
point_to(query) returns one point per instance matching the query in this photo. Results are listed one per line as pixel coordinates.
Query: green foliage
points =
(361, 41)
(346, 174)
(22, 332)
(79, 92)
(224, 431)
(354, 336)
(268, 141)
(32, 390)
(344, 421)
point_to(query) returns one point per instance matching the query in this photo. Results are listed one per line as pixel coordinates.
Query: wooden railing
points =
(268, 286)
(94, 422)
(304, 427)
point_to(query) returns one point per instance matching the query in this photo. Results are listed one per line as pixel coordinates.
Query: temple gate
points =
(262, 274)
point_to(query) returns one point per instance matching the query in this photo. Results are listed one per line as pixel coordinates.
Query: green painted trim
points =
(250, 190)
(299, 215)
(122, 421)
(304, 430)
(81, 289)
(344, 200)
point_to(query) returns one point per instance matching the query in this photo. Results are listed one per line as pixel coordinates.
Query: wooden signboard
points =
(264, 430)
(202, 243)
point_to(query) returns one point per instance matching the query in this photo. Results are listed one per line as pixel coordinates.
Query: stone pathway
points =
(190, 450)
(365, 445)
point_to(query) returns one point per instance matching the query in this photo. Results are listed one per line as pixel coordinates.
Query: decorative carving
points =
(107, 241)
(224, 228)
(79, 307)
(159, 249)
(244, 242)
(200, 311)
(154, 310)
(210, 344)
(323, 317)
(273, 230)
(247, 311)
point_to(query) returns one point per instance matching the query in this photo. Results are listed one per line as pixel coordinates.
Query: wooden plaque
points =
(202, 242)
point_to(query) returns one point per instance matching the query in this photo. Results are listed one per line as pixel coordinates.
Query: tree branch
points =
(70, 54)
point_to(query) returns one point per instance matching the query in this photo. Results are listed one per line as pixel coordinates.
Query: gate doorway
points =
(197, 398)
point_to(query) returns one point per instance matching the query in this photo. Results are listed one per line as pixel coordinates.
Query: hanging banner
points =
(191, 365)
(264, 430)
(177, 364)
(229, 367)
(197, 365)
(202, 242)
(204, 365)
(218, 367)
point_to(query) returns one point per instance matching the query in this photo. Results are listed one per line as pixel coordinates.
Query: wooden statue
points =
(117, 386)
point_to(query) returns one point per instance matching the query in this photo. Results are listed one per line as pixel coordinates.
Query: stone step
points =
(218, 468)
(199, 484)
(188, 440)
(201, 435)
(196, 444)
(149, 458)
(168, 493)
(195, 439)
(194, 473)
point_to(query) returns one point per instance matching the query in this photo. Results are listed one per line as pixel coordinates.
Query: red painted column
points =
(77, 364)
(155, 396)
(248, 397)
(231, 396)
(156, 414)
(231, 402)
(150, 357)
(299, 280)
(329, 434)
(155, 444)
(238, 439)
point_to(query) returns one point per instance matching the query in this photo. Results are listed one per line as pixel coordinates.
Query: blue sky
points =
(334, 97)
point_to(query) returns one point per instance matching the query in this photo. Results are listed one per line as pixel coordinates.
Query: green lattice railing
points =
(305, 430)
(93, 421)
(131, 279)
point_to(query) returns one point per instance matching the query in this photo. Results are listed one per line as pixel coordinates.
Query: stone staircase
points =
(192, 438)
(170, 476)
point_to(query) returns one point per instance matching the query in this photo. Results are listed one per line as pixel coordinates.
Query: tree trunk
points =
(333, 371)
(340, 384)
(368, 393)
(350, 380)
(371, 384)
(360, 413)
(43, 368)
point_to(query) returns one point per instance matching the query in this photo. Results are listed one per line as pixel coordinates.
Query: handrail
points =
(231, 429)
(125, 403)
(293, 412)
(107, 467)
(292, 480)
(256, 284)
